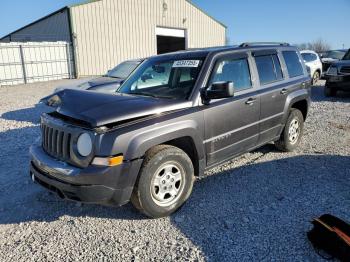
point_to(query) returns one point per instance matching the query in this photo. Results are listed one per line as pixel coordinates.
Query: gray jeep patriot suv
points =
(176, 116)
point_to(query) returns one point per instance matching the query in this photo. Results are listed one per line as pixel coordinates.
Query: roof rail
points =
(263, 43)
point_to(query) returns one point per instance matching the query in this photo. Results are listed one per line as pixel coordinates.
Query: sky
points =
(293, 21)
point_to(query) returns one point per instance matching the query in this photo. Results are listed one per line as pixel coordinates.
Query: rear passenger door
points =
(232, 124)
(275, 85)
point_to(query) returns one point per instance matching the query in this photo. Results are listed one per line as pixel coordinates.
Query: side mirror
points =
(218, 90)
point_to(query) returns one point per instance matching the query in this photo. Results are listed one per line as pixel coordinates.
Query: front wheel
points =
(292, 132)
(165, 181)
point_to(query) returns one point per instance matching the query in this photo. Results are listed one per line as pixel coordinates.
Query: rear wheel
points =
(315, 78)
(165, 181)
(328, 91)
(292, 132)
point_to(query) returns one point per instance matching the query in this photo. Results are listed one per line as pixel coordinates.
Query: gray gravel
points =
(256, 207)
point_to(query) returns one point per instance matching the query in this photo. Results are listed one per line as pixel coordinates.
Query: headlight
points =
(332, 70)
(53, 101)
(84, 145)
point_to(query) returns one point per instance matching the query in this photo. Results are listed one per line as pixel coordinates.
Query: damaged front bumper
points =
(93, 184)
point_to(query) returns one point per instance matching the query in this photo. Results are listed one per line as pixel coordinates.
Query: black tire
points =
(315, 78)
(143, 197)
(284, 143)
(329, 92)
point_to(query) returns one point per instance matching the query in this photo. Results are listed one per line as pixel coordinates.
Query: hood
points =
(341, 63)
(92, 84)
(329, 60)
(100, 109)
(102, 81)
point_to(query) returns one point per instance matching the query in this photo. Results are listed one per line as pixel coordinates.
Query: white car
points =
(313, 61)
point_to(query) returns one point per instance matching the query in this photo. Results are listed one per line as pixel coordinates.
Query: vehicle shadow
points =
(317, 95)
(262, 211)
(31, 114)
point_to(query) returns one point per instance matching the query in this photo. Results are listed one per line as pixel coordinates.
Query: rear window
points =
(309, 57)
(269, 68)
(293, 63)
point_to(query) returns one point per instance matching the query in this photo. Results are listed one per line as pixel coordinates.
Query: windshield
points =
(335, 54)
(123, 70)
(172, 79)
(347, 56)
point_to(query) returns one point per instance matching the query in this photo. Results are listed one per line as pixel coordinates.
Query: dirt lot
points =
(256, 207)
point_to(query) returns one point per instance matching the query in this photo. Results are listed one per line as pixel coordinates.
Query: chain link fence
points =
(22, 63)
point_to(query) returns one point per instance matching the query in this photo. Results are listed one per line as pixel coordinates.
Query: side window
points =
(278, 67)
(293, 63)
(269, 68)
(314, 57)
(234, 70)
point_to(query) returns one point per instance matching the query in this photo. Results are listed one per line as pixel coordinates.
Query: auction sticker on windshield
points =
(186, 63)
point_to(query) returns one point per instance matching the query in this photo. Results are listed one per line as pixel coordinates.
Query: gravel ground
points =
(256, 207)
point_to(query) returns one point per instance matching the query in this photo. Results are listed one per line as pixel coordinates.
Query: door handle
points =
(250, 101)
(284, 91)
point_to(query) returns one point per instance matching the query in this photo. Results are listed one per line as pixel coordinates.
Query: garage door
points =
(170, 40)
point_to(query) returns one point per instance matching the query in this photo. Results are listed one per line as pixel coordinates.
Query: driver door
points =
(232, 124)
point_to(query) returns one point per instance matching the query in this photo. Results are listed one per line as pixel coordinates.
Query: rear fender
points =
(296, 96)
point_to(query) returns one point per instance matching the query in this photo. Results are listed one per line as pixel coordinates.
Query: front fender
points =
(142, 141)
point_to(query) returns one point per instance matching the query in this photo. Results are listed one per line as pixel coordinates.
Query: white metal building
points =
(107, 32)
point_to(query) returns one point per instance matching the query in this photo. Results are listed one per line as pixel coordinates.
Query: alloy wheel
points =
(167, 183)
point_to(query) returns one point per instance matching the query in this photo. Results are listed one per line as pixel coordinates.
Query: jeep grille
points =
(56, 143)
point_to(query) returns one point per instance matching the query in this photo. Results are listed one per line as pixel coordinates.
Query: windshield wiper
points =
(114, 77)
(151, 95)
